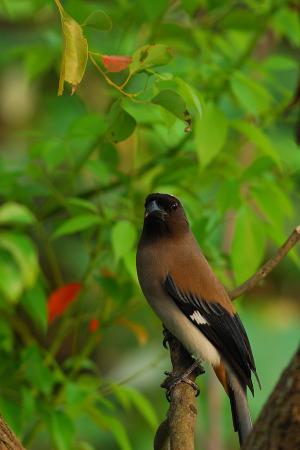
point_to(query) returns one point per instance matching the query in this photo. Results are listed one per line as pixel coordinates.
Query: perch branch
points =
(8, 440)
(268, 266)
(177, 431)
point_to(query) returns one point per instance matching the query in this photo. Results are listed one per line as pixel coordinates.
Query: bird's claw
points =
(173, 380)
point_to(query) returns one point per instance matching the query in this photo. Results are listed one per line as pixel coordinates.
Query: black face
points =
(164, 214)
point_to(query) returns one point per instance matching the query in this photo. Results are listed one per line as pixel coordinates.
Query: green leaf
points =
(153, 9)
(62, 430)
(248, 244)
(76, 224)
(211, 132)
(23, 252)
(10, 409)
(89, 126)
(122, 124)
(143, 405)
(11, 282)
(113, 425)
(75, 51)
(53, 151)
(99, 20)
(80, 203)
(14, 213)
(34, 302)
(6, 336)
(252, 96)
(123, 237)
(150, 56)
(34, 370)
(259, 138)
(175, 104)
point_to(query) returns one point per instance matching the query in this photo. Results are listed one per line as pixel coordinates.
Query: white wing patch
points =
(196, 317)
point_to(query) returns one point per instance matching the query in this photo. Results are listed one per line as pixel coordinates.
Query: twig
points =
(268, 266)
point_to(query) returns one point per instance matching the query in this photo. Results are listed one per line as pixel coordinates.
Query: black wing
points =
(225, 331)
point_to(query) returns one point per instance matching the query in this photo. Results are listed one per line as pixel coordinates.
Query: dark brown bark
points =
(8, 440)
(278, 425)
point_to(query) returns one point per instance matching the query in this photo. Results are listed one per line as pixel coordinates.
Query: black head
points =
(164, 215)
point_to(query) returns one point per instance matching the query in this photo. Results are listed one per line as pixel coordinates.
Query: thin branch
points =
(268, 266)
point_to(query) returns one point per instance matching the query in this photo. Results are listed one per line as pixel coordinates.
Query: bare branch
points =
(177, 432)
(268, 266)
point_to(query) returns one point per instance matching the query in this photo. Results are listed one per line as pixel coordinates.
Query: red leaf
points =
(114, 63)
(60, 299)
(94, 325)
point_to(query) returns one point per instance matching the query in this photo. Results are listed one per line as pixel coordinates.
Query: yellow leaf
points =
(75, 51)
(139, 331)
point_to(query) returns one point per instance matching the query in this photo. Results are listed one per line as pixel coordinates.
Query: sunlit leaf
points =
(60, 299)
(150, 56)
(248, 244)
(81, 204)
(174, 103)
(211, 132)
(62, 430)
(123, 237)
(76, 224)
(11, 283)
(14, 213)
(98, 20)
(252, 96)
(122, 124)
(259, 138)
(24, 254)
(75, 51)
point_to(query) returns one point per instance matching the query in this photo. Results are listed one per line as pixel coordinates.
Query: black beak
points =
(154, 209)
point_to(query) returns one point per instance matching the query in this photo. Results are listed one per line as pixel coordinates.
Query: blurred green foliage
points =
(198, 103)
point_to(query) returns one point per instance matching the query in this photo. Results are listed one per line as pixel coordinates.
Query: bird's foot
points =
(174, 379)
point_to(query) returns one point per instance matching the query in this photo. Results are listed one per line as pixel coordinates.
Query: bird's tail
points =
(239, 408)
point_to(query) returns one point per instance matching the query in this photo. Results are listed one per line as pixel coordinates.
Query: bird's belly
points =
(185, 331)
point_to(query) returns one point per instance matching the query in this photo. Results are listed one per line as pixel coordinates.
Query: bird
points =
(193, 305)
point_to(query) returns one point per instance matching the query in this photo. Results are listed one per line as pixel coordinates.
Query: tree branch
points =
(268, 266)
(278, 425)
(8, 440)
(177, 431)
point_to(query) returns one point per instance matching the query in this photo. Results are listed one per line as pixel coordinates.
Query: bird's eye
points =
(174, 206)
